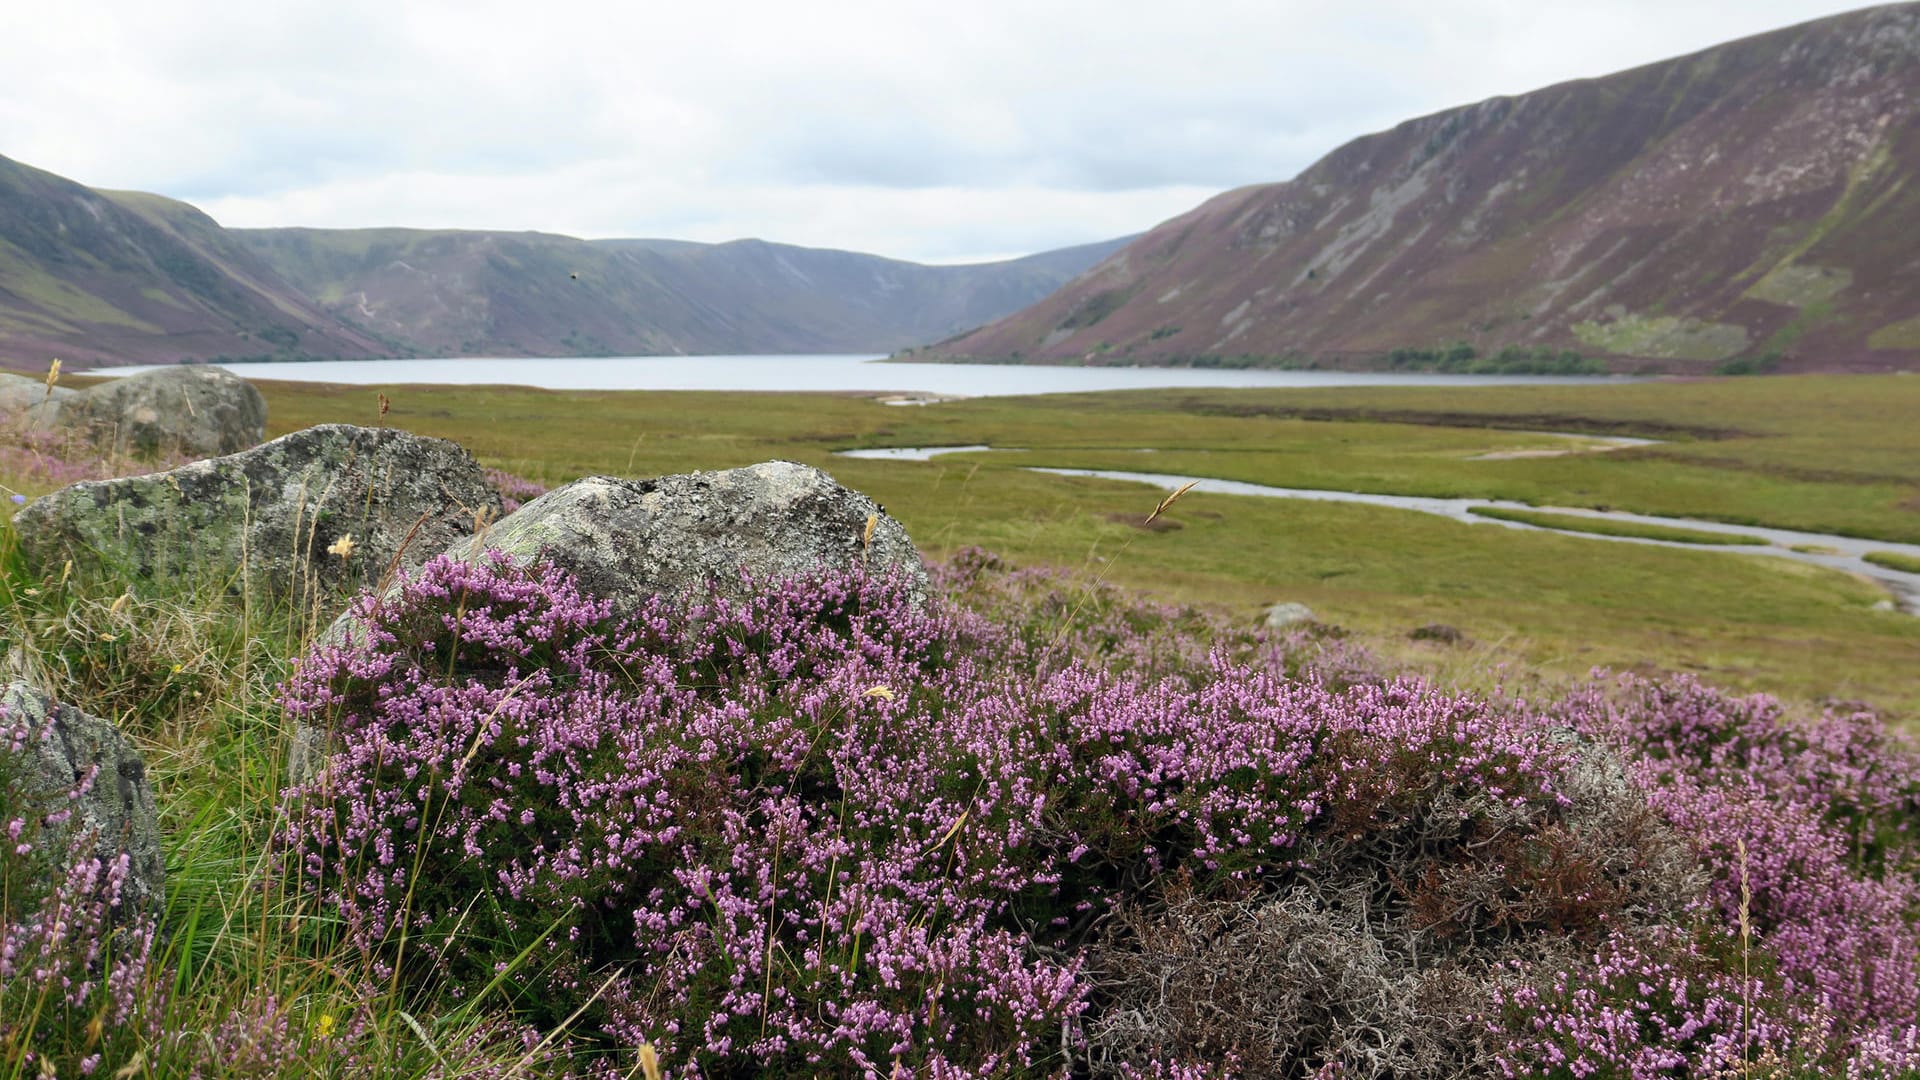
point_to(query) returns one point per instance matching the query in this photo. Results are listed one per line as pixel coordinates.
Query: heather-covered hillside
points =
(467, 293)
(1749, 207)
(118, 277)
(122, 276)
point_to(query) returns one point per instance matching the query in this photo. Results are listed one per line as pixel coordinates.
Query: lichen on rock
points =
(271, 519)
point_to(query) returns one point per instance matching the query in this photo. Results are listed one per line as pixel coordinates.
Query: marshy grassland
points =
(1837, 454)
(279, 964)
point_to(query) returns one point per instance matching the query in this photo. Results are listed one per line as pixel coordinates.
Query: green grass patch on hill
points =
(1606, 527)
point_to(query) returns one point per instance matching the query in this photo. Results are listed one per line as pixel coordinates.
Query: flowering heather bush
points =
(825, 832)
(515, 491)
(1808, 833)
(33, 456)
(73, 963)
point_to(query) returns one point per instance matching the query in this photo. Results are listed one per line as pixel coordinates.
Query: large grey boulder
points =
(64, 751)
(193, 410)
(680, 536)
(683, 537)
(28, 400)
(311, 516)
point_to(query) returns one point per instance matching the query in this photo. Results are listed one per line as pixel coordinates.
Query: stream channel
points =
(1820, 549)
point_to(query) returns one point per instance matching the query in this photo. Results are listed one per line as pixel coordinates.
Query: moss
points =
(1663, 336)
(1799, 285)
(1904, 334)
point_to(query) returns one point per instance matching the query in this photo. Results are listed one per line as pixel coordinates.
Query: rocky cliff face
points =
(1751, 203)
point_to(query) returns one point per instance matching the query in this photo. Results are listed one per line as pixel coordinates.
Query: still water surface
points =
(912, 382)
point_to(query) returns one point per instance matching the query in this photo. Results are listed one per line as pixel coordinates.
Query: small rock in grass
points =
(1440, 632)
(1280, 616)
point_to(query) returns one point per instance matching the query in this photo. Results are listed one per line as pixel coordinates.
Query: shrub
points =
(1807, 833)
(824, 831)
(74, 961)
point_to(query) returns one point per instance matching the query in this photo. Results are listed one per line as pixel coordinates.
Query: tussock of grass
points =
(1894, 560)
(1606, 527)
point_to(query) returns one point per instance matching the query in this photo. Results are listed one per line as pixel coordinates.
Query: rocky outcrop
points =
(626, 540)
(199, 411)
(64, 751)
(311, 516)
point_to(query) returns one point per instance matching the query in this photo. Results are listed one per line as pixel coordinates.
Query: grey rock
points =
(1281, 616)
(683, 537)
(678, 536)
(115, 814)
(1438, 632)
(191, 410)
(27, 400)
(265, 519)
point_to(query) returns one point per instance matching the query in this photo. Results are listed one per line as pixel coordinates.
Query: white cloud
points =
(911, 128)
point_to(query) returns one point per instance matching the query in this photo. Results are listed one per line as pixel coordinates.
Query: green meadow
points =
(1834, 454)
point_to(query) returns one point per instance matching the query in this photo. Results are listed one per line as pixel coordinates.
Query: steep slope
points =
(126, 277)
(1752, 205)
(505, 294)
(115, 276)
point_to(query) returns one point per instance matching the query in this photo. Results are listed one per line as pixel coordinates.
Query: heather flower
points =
(74, 962)
(515, 491)
(712, 832)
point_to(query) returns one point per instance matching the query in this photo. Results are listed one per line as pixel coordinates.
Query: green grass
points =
(1820, 454)
(1893, 560)
(1604, 527)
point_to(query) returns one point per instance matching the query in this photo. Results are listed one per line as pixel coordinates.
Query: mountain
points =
(1749, 207)
(115, 276)
(124, 277)
(451, 293)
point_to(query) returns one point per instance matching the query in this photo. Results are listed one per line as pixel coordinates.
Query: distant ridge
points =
(113, 277)
(1750, 207)
(121, 276)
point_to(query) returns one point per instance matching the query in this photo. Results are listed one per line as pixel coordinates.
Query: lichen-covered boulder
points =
(680, 536)
(311, 516)
(684, 537)
(50, 751)
(191, 410)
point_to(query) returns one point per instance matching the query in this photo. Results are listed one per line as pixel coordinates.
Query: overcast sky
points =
(940, 132)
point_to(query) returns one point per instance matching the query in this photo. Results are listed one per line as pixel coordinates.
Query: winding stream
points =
(1833, 552)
